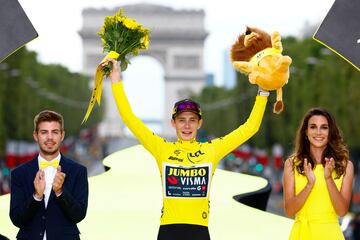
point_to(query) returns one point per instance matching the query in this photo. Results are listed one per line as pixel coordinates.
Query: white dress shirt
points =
(49, 178)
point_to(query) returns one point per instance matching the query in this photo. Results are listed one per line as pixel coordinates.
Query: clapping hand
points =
(39, 184)
(58, 181)
(329, 167)
(309, 173)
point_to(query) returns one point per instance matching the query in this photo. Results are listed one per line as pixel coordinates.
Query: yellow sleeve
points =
(147, 138)
(226, 144)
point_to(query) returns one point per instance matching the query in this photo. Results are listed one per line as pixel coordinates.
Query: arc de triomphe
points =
(176, 41)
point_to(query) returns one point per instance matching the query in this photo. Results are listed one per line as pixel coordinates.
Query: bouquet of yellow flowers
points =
(124, 36)
(121, 37)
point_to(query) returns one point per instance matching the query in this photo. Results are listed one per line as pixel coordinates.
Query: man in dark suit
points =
(49, 194)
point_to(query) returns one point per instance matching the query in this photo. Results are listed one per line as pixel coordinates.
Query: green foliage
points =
(215, 120)
(28, 87)
(318, 78)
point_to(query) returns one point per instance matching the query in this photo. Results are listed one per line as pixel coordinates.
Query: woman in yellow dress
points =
(318, 178)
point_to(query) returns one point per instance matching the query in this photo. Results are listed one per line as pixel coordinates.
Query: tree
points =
(318, 77)
(28, 87)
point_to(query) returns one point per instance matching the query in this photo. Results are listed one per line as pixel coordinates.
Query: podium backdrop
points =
(15, 28)
(340, 30)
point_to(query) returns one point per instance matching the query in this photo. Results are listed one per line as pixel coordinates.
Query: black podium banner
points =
(15, 28)
(340, 30)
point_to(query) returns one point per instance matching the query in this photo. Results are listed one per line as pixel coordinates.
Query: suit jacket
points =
(62, 214)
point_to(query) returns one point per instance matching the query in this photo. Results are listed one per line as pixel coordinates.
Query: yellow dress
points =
(317, 218)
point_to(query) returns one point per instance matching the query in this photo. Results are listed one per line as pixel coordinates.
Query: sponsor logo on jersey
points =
(186, 182)
(175, 159)
(172, 180)
(195, 157)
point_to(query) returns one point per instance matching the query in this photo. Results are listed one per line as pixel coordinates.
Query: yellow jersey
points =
(187, 167)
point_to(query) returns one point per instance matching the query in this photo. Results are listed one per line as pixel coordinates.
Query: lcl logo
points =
(194, 157)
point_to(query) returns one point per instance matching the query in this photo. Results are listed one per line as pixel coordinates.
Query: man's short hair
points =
(48, 116)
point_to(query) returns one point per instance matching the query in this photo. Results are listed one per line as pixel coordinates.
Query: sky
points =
(58, 24)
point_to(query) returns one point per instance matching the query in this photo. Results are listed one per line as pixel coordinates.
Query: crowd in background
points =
(86, 148)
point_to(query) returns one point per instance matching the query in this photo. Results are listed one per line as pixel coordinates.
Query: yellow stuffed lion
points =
(258, 55)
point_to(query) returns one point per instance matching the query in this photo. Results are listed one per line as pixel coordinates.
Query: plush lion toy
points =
(258, 55)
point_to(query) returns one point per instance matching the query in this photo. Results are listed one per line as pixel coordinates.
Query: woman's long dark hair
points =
(335, 148)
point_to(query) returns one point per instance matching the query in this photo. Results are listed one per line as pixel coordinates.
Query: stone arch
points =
(145, 90)
(176, 41)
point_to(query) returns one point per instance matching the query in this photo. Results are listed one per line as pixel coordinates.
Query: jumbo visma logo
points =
(186, 182)
(181, 172)
(187, 176)
(195, 157)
